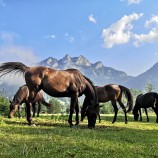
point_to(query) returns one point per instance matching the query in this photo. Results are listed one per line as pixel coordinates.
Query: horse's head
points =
(13, 108)
(136, 114)
(91, 113)
(83, 113)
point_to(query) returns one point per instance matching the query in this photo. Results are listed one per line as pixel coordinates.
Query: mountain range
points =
(97, 72)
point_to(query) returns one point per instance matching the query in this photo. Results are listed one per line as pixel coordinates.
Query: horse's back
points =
(108, 92)
(146, 100)
(56, 83)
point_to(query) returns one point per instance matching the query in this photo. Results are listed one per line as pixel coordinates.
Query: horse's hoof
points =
(33, 125)
(91, 127)
(77, 123)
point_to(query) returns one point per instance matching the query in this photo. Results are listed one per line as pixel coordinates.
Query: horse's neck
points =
(91, 96)
(21, 95)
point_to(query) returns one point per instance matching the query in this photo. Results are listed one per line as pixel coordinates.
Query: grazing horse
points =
(145, 101)
(113, 93)
(21, 97)
(57, 83)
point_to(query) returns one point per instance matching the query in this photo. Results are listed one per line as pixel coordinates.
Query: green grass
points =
(53, 138)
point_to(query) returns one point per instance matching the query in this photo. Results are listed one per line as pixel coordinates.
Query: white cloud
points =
(11, 52)
(153, 22)
(50, 36)
(134, 1)
(17, 53)
(151, 36)
(119, 32)
(92, 19)
(69, 38)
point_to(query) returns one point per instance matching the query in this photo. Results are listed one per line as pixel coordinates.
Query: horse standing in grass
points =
(21, 97)
(57, 83)
(113, 93)
(145, 101)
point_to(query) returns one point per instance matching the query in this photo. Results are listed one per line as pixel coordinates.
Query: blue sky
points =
(122, 34)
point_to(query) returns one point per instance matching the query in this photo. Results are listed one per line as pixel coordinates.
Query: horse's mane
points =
(94, 88)
(88, 80)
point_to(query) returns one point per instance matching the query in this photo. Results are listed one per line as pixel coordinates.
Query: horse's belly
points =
(55, 93)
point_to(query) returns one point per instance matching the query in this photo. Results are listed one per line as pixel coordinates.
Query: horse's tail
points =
(14, 67)
(129, 97)
(156, 100)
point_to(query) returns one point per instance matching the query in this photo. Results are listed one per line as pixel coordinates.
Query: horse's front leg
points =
(32, 95)
(140, 113)
(77, 112)
(99, 118)
(34, 109)
(146, 112)
(70, 115)
(19, 114)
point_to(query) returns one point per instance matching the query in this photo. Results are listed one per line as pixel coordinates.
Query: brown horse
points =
(57, 83)
(21, 97)
(113, 93)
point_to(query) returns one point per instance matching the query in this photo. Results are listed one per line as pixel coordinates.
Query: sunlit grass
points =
(52, 137)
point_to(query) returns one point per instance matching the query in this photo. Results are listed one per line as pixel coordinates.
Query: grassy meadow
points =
(53, 138)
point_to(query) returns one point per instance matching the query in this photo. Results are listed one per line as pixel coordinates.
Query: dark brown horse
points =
(21, 97)
(113, 93)
(145, 101)
(57, 83)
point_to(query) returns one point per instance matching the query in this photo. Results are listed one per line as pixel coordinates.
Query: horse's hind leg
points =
(34, 109)
(124, 110)
(39, 108)
(115, 110)
(156, 112)
(146, 112)
(28, 111)
(74, 100)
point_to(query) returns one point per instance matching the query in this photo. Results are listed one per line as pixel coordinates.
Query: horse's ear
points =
(10, 101)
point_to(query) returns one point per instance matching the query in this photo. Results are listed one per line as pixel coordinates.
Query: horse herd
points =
(73, 84)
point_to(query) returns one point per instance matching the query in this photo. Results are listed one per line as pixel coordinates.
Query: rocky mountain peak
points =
(49, 62)
(66, 59)
(81, 60)
(98, 65)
